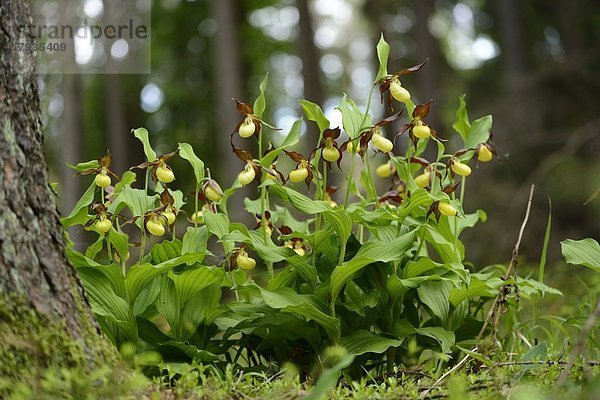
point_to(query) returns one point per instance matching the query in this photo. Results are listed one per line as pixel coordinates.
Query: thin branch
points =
(501, 298)
(448, 373)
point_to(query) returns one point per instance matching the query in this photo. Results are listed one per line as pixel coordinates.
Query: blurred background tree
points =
(532, 65)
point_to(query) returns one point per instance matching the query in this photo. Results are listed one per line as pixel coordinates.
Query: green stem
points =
(370, 179)
(263, 198)
(142, 227)
(350, 175)
(196, 205)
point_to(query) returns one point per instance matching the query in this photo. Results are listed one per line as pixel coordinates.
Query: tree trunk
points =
(44, 316)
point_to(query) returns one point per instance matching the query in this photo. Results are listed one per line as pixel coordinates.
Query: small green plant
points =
(381, 275)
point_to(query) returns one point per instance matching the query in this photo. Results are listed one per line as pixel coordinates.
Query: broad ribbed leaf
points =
(187, 153)
(435, 296)
(462, 124)
(352, 118)
(78, 214)
(293, 136)
(479, 132)
(445, 338)
(362, 341)
(137, 200)
(302, 305)
(260, 103)
(369, 253)
(139, 275)
(142, 135)
(120, 242)
(195, 240)
(299, 201)
(584, 252)
(217, 224)
(342, 224)
(189, 282)
(314, 113)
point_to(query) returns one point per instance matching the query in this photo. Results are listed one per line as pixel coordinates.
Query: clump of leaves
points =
(379, 274)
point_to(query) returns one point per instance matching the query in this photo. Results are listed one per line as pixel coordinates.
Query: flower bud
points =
(212, 191)
(164, 173)
(385, 170)
(381, 143)
(398, 92)
(331, 154)
(421, 131)
(247, 175)
(155, 227)
(102, 179)
(245, 262)
(484, 154)
(198, 217)
(446, 209)
(103, 225)
(422, 180)
(299, 174)
(247, 128)
(461, 169)
(350, 147)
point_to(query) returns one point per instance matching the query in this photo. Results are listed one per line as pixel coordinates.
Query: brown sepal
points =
(451, 188)
(166, 198)
(411, 69)
(422, 110)
(243, 108)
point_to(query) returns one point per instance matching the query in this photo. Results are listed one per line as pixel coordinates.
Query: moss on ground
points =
(40, 358)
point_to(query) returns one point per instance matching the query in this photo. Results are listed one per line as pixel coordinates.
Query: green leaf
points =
(139, 275)
(435, 296)
(191, 281)
(584, 252)
(120, 241)
(105, 302)
(165, 251)
(217, 224)
(352, 118)
(479, 132)
(187, 153)
(146, 297)
(342, 224)
(445, 338)
(462, 124)
(383, 53)
(369, 253)
(260, 103)
(300, 201)
(142, 135)
(293, 136)
(362, 341)
(137, 200)
(314, 113)
(195, 240)
(301, 305)
(475, 288)
(127, 179)
(84, 166)
(80, 208)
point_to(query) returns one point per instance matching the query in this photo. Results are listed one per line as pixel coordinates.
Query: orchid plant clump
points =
(381, 275)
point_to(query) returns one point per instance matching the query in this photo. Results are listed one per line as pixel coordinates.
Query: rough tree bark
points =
(44, 317)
